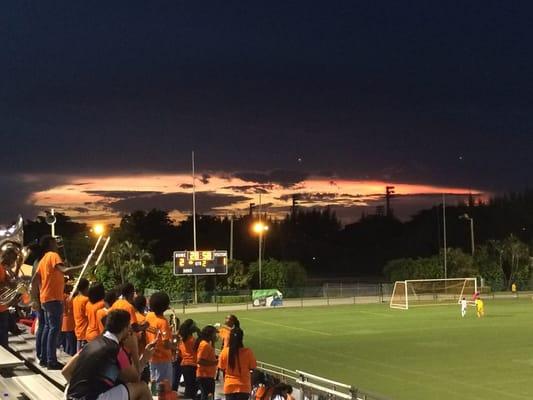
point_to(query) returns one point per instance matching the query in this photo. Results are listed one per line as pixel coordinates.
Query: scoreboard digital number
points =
(210, 262)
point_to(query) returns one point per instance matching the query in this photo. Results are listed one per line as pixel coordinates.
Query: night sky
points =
(101, 104)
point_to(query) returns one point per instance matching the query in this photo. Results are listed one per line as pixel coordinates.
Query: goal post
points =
(417, 292)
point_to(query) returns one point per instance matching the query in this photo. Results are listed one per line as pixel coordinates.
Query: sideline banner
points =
(267, 298)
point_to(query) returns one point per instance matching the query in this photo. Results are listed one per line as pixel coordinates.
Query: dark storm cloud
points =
(205, 202)
(205, 178)
(81, 210)
(283, 178)
(322, 197)
(121, 194)
(251, 189)
(16, 196)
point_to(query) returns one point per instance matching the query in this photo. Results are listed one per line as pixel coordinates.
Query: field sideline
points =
(423, 353)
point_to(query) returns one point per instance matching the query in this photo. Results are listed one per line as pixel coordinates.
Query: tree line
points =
(316, 240)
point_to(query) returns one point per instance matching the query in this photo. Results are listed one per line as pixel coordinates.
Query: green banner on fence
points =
(267, 298)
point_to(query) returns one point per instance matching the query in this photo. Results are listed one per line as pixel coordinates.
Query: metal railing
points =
(309, 386)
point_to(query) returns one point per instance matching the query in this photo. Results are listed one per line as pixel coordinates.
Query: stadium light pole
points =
(260, 229)
(469, 218)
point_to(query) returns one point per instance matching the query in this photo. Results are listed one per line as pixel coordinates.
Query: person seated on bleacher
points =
(103, 370)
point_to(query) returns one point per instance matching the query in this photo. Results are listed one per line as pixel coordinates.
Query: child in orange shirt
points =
(101, 314)
(79, 302)
(206, 361)
(68, 338)
(159, 331)
(188, 357)
(96, 302)
(237, 361)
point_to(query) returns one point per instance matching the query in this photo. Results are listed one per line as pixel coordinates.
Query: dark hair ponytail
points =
(235, 344)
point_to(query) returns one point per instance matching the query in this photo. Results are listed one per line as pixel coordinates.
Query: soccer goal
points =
(415, 292)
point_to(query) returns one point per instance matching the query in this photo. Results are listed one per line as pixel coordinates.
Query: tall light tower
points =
(472, 244)
(389, 191)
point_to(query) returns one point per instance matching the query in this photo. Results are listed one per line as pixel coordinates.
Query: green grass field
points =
(423, 353)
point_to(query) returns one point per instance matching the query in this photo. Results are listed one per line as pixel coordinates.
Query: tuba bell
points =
(12, 255)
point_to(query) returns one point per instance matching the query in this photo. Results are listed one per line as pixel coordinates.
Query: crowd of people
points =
(123, 346)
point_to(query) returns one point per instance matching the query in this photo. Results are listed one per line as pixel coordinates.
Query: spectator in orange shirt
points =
(237, 362)
(96, 302)
(79, 303)
(68, 338)
(139, 302)
(206, 361)
(224, 332)
(6, 262)
(125, 302)
(159, 331)
(101, 314)
(51, 271)
(188, 357)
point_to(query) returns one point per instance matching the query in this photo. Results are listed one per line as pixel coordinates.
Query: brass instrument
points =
(13, 253)
(99, 247)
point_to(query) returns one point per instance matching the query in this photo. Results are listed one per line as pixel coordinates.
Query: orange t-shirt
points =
(224, 334)
(80, 317)
(160, 323)
(140, 317)
(238, 379)
(123, 304)
(206, 352)
(68, 315)
(52, 279)
(92, 319)
(100, 314)
(188, 355)
(3, 279)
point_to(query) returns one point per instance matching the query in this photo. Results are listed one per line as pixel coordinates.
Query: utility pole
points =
(389, 191)
(444, 241)
(231, 237)
(194, 226)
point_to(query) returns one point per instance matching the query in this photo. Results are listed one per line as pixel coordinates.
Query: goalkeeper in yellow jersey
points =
(480, 308)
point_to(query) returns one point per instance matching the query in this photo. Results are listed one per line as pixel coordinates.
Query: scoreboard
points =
(210, 262)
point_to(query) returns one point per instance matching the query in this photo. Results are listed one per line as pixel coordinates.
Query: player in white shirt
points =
(463, 307)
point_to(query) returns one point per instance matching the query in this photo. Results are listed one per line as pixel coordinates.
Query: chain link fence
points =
(327, 294)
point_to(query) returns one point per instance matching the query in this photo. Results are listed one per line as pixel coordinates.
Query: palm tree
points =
(126, 258)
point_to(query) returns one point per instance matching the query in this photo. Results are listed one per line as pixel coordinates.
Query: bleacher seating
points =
(21, 376)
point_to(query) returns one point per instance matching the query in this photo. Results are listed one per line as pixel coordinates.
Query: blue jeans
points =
(39, 334)
(4, 328)
(161, 371)
(53, 317)
(68, 341)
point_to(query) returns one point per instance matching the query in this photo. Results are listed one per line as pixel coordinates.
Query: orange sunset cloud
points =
(106, 198)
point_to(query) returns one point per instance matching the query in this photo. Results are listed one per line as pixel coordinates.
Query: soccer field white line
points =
(287, 326)
(404, 370)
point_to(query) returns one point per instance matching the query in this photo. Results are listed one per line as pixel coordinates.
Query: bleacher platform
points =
(22, 378)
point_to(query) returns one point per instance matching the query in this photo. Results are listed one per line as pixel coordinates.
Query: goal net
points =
(415, 292)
